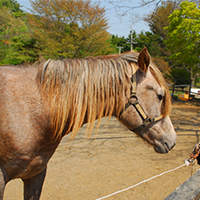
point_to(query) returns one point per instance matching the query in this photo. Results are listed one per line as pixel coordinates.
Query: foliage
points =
(22, 50)
(144, 39)
(16, 43)
(69, 29)
(120, 42)
(157, 20)
(124, 42)
(13, 6)
(149, 40)
(162, 65)
(56, 29)
(155, 39)
(184, 37)
(179, 76)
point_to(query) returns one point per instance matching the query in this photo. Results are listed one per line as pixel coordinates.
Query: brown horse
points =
(39, 105)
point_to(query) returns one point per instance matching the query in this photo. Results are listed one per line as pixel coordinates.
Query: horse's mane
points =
(76, 88)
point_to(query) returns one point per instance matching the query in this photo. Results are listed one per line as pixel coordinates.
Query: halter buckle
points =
(133, 95)
(151, 120)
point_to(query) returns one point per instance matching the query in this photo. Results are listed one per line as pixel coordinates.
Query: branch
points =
(129, 8)
(186, 68)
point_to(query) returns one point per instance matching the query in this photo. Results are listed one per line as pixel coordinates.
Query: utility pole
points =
(132, 42)
(120, 48)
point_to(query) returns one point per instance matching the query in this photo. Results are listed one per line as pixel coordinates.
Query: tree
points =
(149, 40)
(183, 38)
(125, 7)
(16, 44)
(69, 29)
(158, 19)
(21, 50)
(13, 6)
(120, 42)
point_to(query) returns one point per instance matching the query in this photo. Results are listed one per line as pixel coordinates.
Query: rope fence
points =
(144, 181)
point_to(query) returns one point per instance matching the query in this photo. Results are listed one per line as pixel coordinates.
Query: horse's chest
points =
(38, 162)
(29, 164)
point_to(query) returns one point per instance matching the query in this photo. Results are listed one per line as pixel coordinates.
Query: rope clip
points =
(189, 161)
(195, 155)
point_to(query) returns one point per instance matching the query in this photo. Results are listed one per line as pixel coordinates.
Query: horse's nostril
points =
(167, 145)
(170, 148)
(173, 146)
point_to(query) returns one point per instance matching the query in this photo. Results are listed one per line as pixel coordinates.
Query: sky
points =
(120, 26)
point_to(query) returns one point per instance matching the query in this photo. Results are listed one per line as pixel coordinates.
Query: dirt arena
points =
(115, 159)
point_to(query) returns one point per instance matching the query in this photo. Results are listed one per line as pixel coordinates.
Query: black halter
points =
(146, 120)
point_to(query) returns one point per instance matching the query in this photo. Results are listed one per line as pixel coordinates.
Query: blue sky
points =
(118, 26)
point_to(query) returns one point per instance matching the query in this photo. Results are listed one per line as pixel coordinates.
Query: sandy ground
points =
(115, 159)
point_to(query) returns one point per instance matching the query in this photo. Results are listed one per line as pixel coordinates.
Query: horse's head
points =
(147, 107)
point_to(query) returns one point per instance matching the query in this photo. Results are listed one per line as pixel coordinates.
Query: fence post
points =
(190, 89)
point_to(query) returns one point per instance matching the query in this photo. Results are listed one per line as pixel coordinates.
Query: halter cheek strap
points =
(146, 120)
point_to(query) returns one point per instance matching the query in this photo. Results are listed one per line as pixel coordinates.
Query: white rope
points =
(141, 182)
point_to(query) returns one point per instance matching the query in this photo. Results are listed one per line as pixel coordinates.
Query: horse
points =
(41, 103)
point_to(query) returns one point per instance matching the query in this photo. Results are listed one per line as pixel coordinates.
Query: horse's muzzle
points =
(164, 148)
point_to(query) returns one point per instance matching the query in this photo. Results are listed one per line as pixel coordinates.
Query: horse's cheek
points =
(130, 118)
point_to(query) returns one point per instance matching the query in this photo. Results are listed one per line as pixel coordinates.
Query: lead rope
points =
(144, 181)
(190, 161)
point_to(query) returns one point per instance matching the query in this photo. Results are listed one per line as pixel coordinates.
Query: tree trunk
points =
(192, 77)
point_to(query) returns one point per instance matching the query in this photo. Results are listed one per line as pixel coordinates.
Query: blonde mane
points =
(92, 87)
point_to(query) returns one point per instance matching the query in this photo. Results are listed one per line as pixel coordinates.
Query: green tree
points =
(120, 42)
(149, 40)
(183, 38)
(123, 42)
(13, 6)
(69, 29)
(179, 76)
(157, 20)
(146, 39)
(16, 44)
(22, 50)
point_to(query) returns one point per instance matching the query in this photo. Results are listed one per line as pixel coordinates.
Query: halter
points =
(146, 120)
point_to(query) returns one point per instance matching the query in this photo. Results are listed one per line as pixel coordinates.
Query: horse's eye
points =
(160, 97)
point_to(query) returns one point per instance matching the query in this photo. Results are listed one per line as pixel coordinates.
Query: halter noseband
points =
(146, 120)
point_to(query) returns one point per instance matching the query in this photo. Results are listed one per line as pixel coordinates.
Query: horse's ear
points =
(144, 60)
